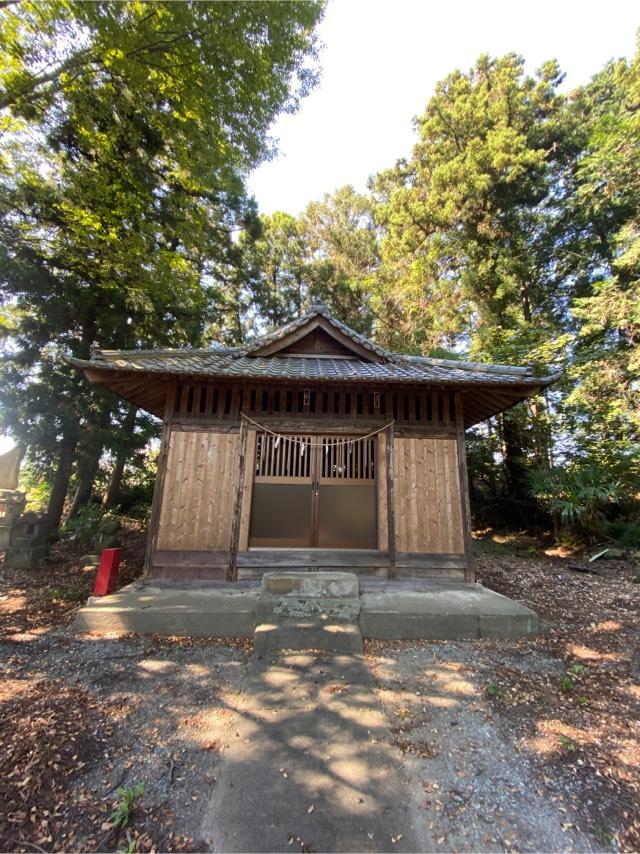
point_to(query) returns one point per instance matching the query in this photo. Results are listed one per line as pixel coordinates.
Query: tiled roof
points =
(488, 389)
(228, 364)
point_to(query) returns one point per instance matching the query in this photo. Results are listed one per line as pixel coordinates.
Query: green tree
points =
(470, 229)
(129, 131)
(602, 411)
(330, 252)
(342, 255)
(274, 269)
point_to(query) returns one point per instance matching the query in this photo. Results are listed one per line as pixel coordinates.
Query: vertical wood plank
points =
(247, 493)
(412, 407)
(422, 397)
(199, 473)
(182, 486)
(439, 492)
(450, 474)
(381, 485)
(422, 510)
(456, 500)
(197, 395)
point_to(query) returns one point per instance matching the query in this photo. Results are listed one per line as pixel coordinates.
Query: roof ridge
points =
(492, 367)
(317, 308)
(173, 351)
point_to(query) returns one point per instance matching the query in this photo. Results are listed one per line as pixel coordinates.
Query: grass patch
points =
(68, 593)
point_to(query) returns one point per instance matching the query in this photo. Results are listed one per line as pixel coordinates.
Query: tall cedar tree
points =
(469, 232)
(129, 130)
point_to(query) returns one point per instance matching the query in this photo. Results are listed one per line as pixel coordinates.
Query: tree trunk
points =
(88, 462)
(70, 436)
(87, 471)
(541, 431)
(60, 485)
(517, 480)
(112, 494)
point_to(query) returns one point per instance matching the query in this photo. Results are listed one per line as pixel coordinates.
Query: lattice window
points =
(349, 459)
(277, 456)
(405, 407)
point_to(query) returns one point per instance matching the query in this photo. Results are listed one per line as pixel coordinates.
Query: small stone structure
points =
(23, 536)
(11, 506)
(308, 610)
(28, 541)
(108, 536)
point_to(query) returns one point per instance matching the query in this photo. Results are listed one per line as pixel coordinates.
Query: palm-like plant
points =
(576, 497)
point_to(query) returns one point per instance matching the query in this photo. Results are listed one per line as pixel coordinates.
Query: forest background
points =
(510, 234)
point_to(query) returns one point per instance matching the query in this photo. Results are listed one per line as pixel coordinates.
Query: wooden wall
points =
(427, 500)
(200, 487)
(199, 491)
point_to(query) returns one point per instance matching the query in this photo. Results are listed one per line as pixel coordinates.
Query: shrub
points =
(626, 534)
(577, 497)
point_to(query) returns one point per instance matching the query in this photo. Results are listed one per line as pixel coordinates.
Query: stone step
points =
(276, 608)
(291, 633)
(309, 585)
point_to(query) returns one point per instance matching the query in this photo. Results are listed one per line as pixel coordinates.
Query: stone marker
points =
(10, 469)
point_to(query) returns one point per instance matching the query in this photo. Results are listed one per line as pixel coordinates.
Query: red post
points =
(107, 577)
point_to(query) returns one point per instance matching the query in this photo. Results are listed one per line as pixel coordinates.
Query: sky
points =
(380, 63)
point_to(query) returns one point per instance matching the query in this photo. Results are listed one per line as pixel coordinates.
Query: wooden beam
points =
(232, 569)
(158, 488)
(391, 516)
(469, 573)
(316, 558)
(245, 505)
(430, 560)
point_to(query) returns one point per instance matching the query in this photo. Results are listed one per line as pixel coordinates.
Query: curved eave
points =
(148, 389)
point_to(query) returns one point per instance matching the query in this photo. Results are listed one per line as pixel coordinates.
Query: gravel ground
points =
(522, 745)
(481, 791)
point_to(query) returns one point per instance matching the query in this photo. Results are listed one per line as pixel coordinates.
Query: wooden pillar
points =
(391, 516)
(232, 569)
(158, 487)
(469, 573)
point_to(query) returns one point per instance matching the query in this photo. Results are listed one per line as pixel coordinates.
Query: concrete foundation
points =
(393, 611)
(147, 609)
(444, 612)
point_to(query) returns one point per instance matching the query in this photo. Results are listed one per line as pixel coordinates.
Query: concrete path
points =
(308, 765)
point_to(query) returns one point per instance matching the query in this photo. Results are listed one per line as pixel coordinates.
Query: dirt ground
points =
(506, 740)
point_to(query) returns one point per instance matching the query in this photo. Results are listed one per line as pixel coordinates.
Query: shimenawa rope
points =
(286, 437)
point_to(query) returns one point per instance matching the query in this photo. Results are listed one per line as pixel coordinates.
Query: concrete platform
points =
(150, 609)
(388, 610)
(443, 612)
